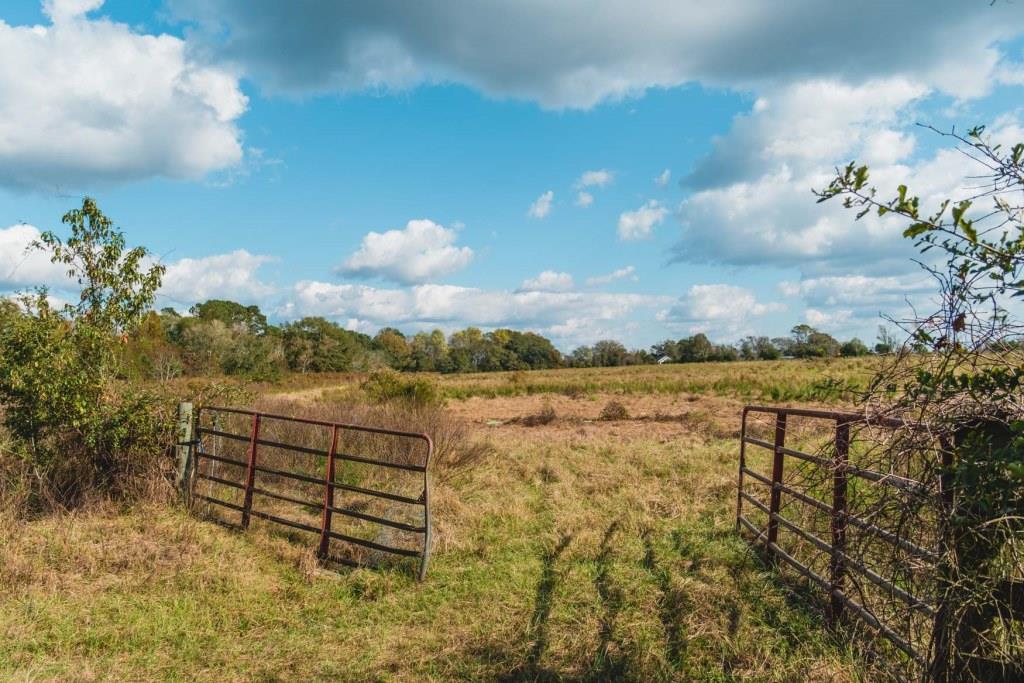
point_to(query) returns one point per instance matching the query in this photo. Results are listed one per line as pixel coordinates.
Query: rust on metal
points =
(839, 470)
(252, 492)
(325, 525)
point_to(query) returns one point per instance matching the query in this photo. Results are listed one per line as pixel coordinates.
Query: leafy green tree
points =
(853, 348)
(811, 343)
(58, 363)
(395, 347)
(582, 357)
(886, 342)
(967, 388)
(695, 349)
(149, 353)
(609, 353)
(232, 314)
(315, 344)
(429, 351)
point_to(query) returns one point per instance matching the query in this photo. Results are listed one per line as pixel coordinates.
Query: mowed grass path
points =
(572, 555)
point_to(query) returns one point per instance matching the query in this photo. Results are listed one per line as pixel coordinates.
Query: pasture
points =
(585, 545)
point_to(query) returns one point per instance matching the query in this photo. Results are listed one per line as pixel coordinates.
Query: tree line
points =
(225, 337)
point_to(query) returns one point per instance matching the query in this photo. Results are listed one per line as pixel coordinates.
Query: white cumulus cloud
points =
(637, 225)
(422, 251)
(432, 304)
(584, 199)
(599, 178)
(719, 310)
(87, 100)
(548, 281)
(23, 266)
(220, 276)
(542, 206)
(619, 274)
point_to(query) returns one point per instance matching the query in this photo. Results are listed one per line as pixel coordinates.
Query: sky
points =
(631, 170)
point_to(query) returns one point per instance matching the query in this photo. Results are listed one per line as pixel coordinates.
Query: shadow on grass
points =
(607, 666)
(671, 605)
(538, 634)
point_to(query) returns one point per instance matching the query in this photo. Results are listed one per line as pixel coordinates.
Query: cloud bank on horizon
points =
(93, 103)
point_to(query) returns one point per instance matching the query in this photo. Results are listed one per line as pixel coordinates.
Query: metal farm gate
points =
(362, 492)
(804, 511)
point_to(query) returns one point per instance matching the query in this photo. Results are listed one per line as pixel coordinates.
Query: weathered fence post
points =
(837, 560)
(250, 473)
(183, 447)
(325, 530)
(776, 495)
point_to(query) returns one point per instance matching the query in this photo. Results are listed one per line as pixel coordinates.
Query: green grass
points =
(561, 558)
(773, 381)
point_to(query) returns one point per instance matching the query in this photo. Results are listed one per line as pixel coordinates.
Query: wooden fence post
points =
(183, 447)
(325, 525)
(250, 473)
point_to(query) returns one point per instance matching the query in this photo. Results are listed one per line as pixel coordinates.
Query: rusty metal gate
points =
(845, 577)
(369, 486)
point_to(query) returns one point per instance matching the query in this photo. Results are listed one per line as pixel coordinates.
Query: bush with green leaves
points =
(75, 427)
(384, 386)
(968, 388)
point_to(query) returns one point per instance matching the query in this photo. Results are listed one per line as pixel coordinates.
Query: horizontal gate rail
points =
(255, 465)
(838, 469)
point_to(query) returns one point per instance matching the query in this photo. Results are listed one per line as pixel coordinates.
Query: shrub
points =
(546, 415)
(71, 426)
(384, 386)
(613, 410)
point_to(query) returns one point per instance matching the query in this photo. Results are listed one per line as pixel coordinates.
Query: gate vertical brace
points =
(325, 527)
(743, 463)
(944, 663)
(250, 474)
(428, 536)
(837, 559)
(776, 495)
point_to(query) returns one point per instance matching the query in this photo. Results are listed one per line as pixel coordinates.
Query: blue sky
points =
(587, 170)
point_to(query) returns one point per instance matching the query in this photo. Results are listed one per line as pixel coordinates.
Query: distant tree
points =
(232, 314)
(811, 343)
(695, 349)
(723, 352)
(533, 351)
(666, 349)
(886, 341)
(609, 353)
(784, 345)
(394, 345)
(315, 344)
(582, 357)
(429, 351)
(468, 351)
(854, 347)
(149, 353)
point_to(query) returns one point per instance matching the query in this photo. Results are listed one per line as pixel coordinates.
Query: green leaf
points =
(917, 229)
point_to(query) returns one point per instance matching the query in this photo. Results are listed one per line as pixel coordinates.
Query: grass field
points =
(578, 550)
(821, 380)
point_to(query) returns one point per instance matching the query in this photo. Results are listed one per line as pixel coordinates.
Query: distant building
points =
(664, 359)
